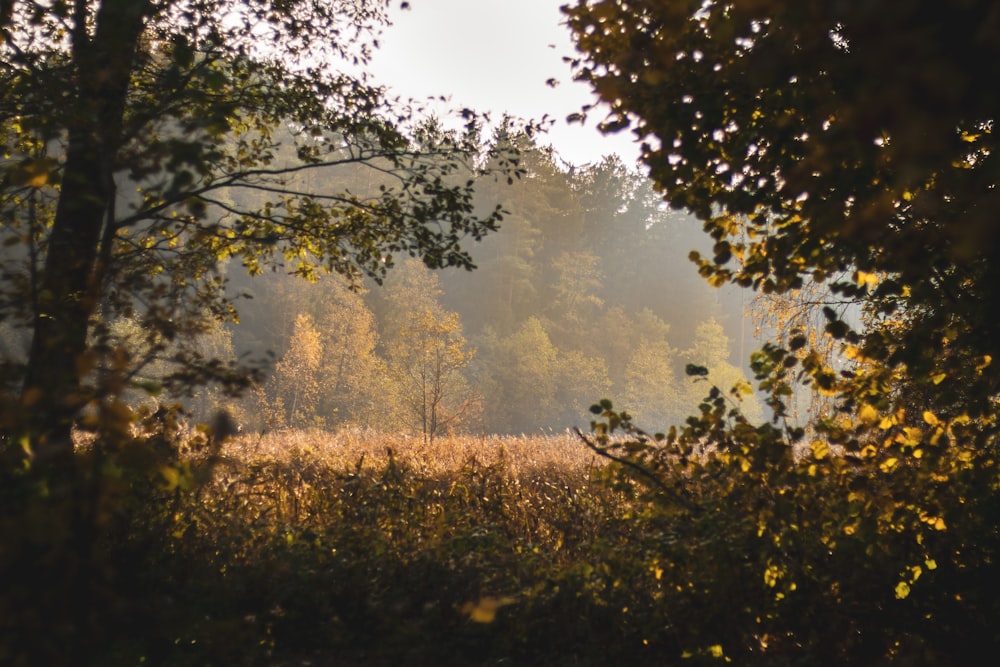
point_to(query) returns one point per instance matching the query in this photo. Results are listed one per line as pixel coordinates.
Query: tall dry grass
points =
(523, 455)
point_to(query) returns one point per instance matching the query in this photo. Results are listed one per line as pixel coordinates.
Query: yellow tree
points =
(651, 392)
(427, 365)
(351, 368)
(520, 373)
(710, 351)
(426, 355)
(295, 387)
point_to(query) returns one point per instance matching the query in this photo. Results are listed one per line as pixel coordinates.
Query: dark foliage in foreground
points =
(205, 559)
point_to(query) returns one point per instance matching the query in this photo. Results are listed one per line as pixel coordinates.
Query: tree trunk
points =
(70, 285)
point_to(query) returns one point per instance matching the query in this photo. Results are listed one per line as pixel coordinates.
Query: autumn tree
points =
(710, 351)
(351, 367)
(830, 142)
(427, 369)
(651, 391)
(848, 145)
(519, 373)
(530, 384)
(147, 141)
(426, 355)
(297, 382)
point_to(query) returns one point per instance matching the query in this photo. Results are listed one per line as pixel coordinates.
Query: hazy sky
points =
(495, 55)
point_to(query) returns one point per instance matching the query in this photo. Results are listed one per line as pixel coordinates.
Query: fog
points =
(586, 292)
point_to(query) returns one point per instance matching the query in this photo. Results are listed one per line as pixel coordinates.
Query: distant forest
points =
(586, 292)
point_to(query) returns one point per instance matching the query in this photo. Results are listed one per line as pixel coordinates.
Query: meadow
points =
(348, 548)
(299, 548)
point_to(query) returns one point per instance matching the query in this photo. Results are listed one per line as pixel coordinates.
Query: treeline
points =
(585, 292)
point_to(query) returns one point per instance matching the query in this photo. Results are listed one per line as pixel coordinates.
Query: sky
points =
(495, 56)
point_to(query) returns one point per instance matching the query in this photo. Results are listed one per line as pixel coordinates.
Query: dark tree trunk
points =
(72, 274)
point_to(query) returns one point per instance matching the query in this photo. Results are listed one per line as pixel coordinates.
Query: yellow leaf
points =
(902, 590)
(931, 418)
(889, 464)
(820, 449)
(939, 378)
(868, 414)
(485, 610)
(931, 564)
(715, 651)
(35, 173)
(863, 278)
(827, 391)
(939, 524)
(170, 476)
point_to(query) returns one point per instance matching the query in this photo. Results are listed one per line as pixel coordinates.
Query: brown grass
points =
(523, 455)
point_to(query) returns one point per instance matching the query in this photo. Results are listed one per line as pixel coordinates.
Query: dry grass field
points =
(340, 450)
(313, 548)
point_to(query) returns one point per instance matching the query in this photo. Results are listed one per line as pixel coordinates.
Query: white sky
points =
(495, 56)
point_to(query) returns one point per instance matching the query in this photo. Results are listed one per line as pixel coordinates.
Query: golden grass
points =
(343, 449)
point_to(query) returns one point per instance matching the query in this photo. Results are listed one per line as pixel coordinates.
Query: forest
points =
(293, 372)
(553, 317)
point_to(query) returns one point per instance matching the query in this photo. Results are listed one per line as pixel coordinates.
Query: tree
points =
(845, 144)
(351, 366)
(710, 351)
(297, 376)
(651, 394)
(520, 372)
(427, 364)
(831, 141)
(148, 141)
(346, 328)
(574, 304)
(426, 354)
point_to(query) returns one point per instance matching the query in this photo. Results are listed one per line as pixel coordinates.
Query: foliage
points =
(427, 366)
(149, 145)
(804, 136)
(772, 558)
(841, 149)
(588, 266)
(312, 547)
(297, 374)
(709, 350)
(426, 355)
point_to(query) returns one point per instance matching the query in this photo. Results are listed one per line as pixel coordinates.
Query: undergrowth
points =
(312, 548)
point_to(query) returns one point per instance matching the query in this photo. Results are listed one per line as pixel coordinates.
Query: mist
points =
(586, 292)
